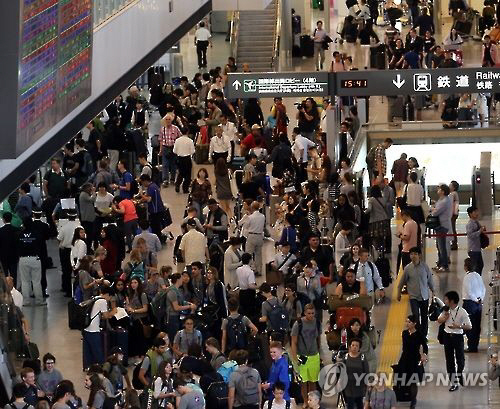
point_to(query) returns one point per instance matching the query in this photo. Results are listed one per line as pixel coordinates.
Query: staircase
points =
(256, 37)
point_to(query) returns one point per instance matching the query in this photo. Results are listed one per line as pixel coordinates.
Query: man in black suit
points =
(414, 42)
(8, 253)
(42, 230)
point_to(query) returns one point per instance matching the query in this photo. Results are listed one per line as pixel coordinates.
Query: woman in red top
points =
(108, 265)
(126, 207)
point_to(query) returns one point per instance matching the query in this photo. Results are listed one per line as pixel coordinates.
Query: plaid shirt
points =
(380, 157)
(169, 135)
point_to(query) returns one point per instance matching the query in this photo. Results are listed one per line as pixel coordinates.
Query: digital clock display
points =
(354, 83)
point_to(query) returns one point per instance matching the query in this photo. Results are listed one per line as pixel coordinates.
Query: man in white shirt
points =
(230, 131)
(184, 149)
(456, 321)
(17, 297)
(220, 146)
(193, 245)
(93, 352)
(256, 223)
(247, 284)
(201, 40)
(369, 271)
(300, 149)
(342, 245)
(473, 293)
(65, 236)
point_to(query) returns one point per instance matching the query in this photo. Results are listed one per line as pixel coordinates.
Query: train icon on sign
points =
(422, 82)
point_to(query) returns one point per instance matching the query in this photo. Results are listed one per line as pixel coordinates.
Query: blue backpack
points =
(226, 369)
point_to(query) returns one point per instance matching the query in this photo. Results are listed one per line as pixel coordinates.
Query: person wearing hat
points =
(42, 230)
(216, 226)
(249, 141)
(193, 245)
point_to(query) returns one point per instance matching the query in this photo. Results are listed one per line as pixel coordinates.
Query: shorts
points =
(309, 372)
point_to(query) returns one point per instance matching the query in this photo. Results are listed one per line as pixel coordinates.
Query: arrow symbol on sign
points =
(236, 85)
(398, 82)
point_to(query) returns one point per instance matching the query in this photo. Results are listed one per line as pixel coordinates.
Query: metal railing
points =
(494, 327)
(235, 27)
(105, 9)
(277, 32)
(434, 124)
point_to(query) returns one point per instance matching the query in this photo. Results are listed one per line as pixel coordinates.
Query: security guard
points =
(29, 250)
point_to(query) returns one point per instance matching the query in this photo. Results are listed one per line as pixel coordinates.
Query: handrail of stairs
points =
(277, 31)
(235, 26)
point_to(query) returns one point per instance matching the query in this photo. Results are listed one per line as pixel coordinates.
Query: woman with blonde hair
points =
(135, 266)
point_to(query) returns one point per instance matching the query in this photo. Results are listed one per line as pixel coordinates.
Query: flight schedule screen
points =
(55, 64)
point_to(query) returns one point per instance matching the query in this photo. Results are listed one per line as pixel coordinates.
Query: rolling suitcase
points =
(345, 314)
(306, 46)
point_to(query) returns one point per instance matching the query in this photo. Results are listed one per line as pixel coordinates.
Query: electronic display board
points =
(53, 67)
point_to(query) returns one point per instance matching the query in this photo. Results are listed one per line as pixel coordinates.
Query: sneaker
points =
(454, 247)
(165, 183)
(443, 270)
(453, 388)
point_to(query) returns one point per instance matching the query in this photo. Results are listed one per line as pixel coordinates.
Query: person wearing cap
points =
(115, 371)
(256, 223)
(249, 141)
(232, 260)
(216, 225)
(220, 146)
(193, 245)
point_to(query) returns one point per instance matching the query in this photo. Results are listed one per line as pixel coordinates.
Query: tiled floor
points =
(50, 324)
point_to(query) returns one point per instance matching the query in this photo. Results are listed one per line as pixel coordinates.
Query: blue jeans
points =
(93, 352)
(169, 164)
(477, 260)
(442, 247)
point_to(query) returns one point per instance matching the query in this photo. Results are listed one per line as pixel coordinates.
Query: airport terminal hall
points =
(250, 204)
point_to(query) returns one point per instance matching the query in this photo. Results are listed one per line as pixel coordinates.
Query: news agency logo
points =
(333, 379)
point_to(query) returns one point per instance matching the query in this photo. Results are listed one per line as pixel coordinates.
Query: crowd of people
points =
(199, 331)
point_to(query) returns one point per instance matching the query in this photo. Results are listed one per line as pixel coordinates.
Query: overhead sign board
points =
(406, 82)
(278, 84)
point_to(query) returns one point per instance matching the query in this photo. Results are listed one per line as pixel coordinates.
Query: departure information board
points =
(54, 64)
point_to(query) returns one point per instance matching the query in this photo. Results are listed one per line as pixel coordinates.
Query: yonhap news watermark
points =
(333, 379)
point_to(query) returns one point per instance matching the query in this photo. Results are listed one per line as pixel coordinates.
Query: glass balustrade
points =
(104, 9)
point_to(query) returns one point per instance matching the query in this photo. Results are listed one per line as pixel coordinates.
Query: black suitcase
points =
(463, 27)
(296, 51)
(403, 393)
(119, 338)
(306, 46)
(384, 269)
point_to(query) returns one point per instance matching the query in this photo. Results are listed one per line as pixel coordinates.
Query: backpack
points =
(370, 157)
(136, 382)
(134, 187)
(237, 333)
(88, 165)
(278, 317)
(217, 395)
(270, 404)
(136, 270)
(81, 314)
(155, 174)
(226, 369)
(159, 307)
(247, 387)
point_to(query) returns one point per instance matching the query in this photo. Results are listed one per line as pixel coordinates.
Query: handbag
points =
(441, 334)
(432, 222)
(484, 240)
